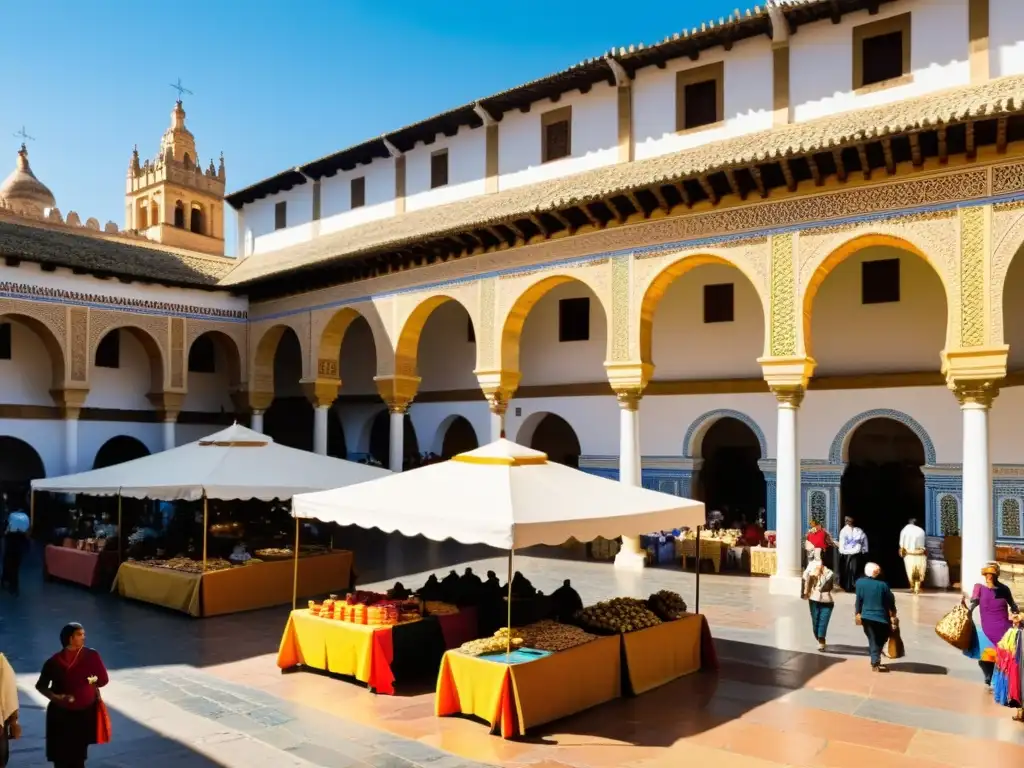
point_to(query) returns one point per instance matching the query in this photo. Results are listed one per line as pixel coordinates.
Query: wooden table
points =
(90, 569)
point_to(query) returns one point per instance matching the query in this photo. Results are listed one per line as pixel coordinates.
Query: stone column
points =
(70, 402)
(787, 505)
(631, 557)
(498, 387)
(256, 421)
(255, 403)
(168, 406)
(321, 393)
(498, 406)
(978, 524)
(170, 437)
(398, 393)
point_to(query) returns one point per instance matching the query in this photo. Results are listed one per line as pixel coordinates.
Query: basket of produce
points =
(275, 553)
(188, 565)
(497, 643)
(621, 614)
(552, 636)
(667, 605)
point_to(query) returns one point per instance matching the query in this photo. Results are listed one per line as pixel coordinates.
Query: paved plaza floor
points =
(197, 693)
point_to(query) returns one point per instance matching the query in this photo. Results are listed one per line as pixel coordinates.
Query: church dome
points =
(22, 191)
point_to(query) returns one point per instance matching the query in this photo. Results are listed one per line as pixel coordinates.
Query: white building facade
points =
(770, 262)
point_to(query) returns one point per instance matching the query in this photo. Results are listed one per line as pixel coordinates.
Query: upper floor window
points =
(556, 134)
(574, 319)
(196, 220)
(881, 51)
(357, 191)
(281, 215)
(880, 281)
(5, 341)
(108, 353)
(718, 303)
(700, 97)
(179, 214)
(202, 357)
(439, 169)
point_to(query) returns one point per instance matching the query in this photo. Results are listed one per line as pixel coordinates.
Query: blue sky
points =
(276, 82)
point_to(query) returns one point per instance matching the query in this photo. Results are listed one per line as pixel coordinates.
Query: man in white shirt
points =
(853, 549)
(914, 554)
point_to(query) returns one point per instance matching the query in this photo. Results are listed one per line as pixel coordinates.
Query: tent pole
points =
(206, 525)
(31, 511)
(295, 575)
(508, 640)
(696, 601)
(119, 527)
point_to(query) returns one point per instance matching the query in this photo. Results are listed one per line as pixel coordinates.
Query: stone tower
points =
(172, 199)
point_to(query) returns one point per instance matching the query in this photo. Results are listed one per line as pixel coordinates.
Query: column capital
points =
(396, 391)
(631, 377)
(70, 400)
(788, 396)
(167, 404)
(975, 374)
(629, 400)
(251, 401)
(787, 374)
(498, 387)
(321, 391)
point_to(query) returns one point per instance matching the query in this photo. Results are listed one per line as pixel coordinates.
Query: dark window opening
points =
(880, 281)
(439, 169)
(196, 224)
(700, 104)
(719, 304)
(574, 319)
(108, 353)
(556, 140)
(882, 57)
(5, 341)
(202, 357)
(358, 192)
(179, 215)
(280, 215)
(470, 331)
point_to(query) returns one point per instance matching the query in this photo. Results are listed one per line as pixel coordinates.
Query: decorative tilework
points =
(1010, 518)
(620, 308)
(949, 515)
(835, 453)
(972, 277)
(817, 504)
(1008, 488)
(783, 288)
(821, 480)
(703, 422)
(79, 320)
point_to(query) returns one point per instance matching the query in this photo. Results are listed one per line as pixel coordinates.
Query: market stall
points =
(511, 497)
(232, 465)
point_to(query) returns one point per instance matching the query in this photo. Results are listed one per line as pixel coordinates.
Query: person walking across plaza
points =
(875, 612)
(853, 550)
(15, 547)
(996, 608)
(9, 727)
(818, 581)
(71, 680)
(914, 554)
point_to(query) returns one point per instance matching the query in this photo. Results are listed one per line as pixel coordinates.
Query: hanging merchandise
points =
(1006, 680)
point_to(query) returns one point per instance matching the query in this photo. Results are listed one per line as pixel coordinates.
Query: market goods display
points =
(369, 608)
(667, 605)
(188, 565)
(275, 553)
(549, 635)
(495, 644)
(437, 608)
(621, 614)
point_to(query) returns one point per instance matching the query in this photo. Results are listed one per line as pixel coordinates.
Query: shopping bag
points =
(103, 732)
(895, 649)
(956, 627)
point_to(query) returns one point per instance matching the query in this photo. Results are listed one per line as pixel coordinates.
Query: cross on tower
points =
(181, 89)
(23, 135)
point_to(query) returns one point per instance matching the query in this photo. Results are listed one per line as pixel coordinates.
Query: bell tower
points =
(172, 199)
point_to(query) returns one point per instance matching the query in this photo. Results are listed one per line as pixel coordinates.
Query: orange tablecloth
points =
(512, 698)
(357, 650)
(263, 585)
(90, 569)
(667, 651)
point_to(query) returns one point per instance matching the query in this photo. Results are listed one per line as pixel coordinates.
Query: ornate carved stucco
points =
(972, 277)
(78, 322)
(1007, 240)
(783, 336)
(47, 320)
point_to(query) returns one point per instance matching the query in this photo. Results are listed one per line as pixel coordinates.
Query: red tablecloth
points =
(90, 569)
(459, 628)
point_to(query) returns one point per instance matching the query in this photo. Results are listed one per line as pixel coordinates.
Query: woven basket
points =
(956, 627)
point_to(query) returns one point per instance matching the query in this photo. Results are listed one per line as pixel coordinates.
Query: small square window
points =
(881, 51)
(108, 353)
(700, 97)
(358, 192)
(574, 319)
(5, 341)
(281, 215)
(470, 331)
(718, 303)
(880, 281)
(202, 356)
(439, 169)
(556, 136)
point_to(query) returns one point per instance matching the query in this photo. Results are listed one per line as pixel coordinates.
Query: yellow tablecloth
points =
(659, 654)
(710, 549)
(762, 561)
(513, 698)
(160, 586)
(335, 646)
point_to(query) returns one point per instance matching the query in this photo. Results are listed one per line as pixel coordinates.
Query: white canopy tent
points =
(235, 463)
(504, 495)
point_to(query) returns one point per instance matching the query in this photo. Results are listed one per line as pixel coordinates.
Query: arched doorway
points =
(19, 465)
(289, 419)
(118, 450)
(554, 436)
(730, 480)
(380, 440)
(458, 438)
(882, 487)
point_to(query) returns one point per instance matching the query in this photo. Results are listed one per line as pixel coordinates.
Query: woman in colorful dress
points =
(71, 680)
(995, 608)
